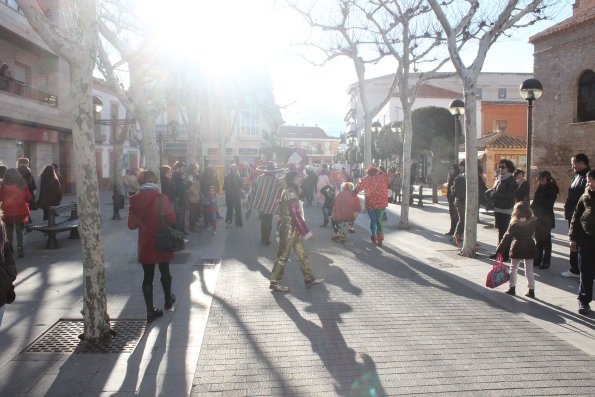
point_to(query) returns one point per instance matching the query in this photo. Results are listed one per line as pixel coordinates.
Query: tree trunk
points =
(471, 172)
(95, 315)
(149, 145)
(406, 179)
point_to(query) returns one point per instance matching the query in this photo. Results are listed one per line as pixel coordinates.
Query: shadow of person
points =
(352, 378)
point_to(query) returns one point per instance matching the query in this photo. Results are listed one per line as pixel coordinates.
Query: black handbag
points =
(167, 239)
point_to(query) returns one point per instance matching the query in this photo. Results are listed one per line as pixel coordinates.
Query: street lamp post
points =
(376, 127)
(457, 108)
(117, 196)
(396, 128)
(531, 89)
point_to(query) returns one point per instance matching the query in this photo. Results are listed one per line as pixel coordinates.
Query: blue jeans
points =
(586, 265)
(376, 222)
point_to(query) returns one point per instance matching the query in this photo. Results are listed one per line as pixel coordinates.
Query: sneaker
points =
(570, 274)
(351, 230)
(278, 287)
(583, 308)
(335, 238)
(311, 281)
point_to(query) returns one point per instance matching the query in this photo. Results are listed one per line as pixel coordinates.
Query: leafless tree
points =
(473, 28)
(77, 44)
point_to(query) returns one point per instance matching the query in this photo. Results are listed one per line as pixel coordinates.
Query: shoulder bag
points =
(167, 239)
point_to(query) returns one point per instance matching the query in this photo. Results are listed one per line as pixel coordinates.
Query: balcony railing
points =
(20, 89)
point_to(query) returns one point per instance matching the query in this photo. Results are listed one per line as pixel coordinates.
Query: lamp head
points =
(376, 126)
(97, 104)
(531, 89)
(457, 107)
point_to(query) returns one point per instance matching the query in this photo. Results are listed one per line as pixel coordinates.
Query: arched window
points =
(586, 97)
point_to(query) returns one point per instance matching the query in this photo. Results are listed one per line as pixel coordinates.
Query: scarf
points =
(150, 186)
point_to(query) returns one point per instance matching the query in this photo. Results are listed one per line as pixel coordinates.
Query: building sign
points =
(247, 151)
(26, 133)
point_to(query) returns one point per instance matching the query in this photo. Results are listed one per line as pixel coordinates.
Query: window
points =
(500, 125)
(249, 123)
(501, 93)
(586, 97)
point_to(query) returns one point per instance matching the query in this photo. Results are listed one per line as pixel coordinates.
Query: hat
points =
(371, 168)
(269, 168)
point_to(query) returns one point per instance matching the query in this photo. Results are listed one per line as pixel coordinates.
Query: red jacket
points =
(376, 188)
(143, 214)
(14, 202)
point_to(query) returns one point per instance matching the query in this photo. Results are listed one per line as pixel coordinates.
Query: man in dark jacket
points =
(459, 193)
(582, 240)
(580, 166)
(232, 184)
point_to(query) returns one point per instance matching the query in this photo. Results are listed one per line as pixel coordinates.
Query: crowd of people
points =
(182, 195)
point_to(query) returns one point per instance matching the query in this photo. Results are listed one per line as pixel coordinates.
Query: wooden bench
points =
(61, 218)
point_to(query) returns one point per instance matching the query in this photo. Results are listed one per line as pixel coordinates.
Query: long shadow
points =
(351, 377)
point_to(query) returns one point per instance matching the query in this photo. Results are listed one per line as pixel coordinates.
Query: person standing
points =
(582, 240)
(8, 271)
(543, 208)
(345, 210)
(459, 192)
(232, 184)
(50, 191)
(292, 233)
(310, 186)
(148, 211)
(503, 194)
(23, 167)
(375, 185)
(328, 192)
(523, 186)
(453, 172)
(264, 197)
(519, 240)
(180, 186)
(15, 197)
(323, 180)
(193, 196)
(580, 166)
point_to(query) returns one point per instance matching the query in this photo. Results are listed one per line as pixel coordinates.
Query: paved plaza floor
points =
(408, 318)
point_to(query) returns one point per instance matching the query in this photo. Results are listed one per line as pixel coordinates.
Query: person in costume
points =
(345, 211)
(375, 185)
(292, 232)
(264, 197)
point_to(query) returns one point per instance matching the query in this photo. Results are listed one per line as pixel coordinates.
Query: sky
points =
(257, 32)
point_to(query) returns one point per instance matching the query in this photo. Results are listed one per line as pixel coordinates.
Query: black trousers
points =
(544, 250)
(149, 272)
(502, 222)
(586, 264)
(454, 216)
(233, 205)
(573, 260)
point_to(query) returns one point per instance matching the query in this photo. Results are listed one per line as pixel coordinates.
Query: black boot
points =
(511, 291)
(152, 312)
(530, 294)
(170, 298)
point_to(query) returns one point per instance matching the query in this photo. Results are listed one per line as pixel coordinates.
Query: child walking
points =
(210, 209)
(328, 192)
(520, 233)
(345, 210)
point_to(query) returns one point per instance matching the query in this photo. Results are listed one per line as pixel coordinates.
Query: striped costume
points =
(264, 196)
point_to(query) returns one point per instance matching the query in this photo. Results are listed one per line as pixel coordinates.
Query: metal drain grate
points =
(63, 337)
(453, 254)
(181, 258)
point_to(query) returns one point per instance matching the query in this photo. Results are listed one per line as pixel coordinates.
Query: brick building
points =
(564, 116)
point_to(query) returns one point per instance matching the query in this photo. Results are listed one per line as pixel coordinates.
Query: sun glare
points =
(219, 35)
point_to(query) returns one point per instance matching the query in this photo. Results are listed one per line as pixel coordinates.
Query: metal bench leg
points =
(74, 234)
(52, 241)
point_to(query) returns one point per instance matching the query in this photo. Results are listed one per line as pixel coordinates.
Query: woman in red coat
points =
(145, 210)
(14, 196)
